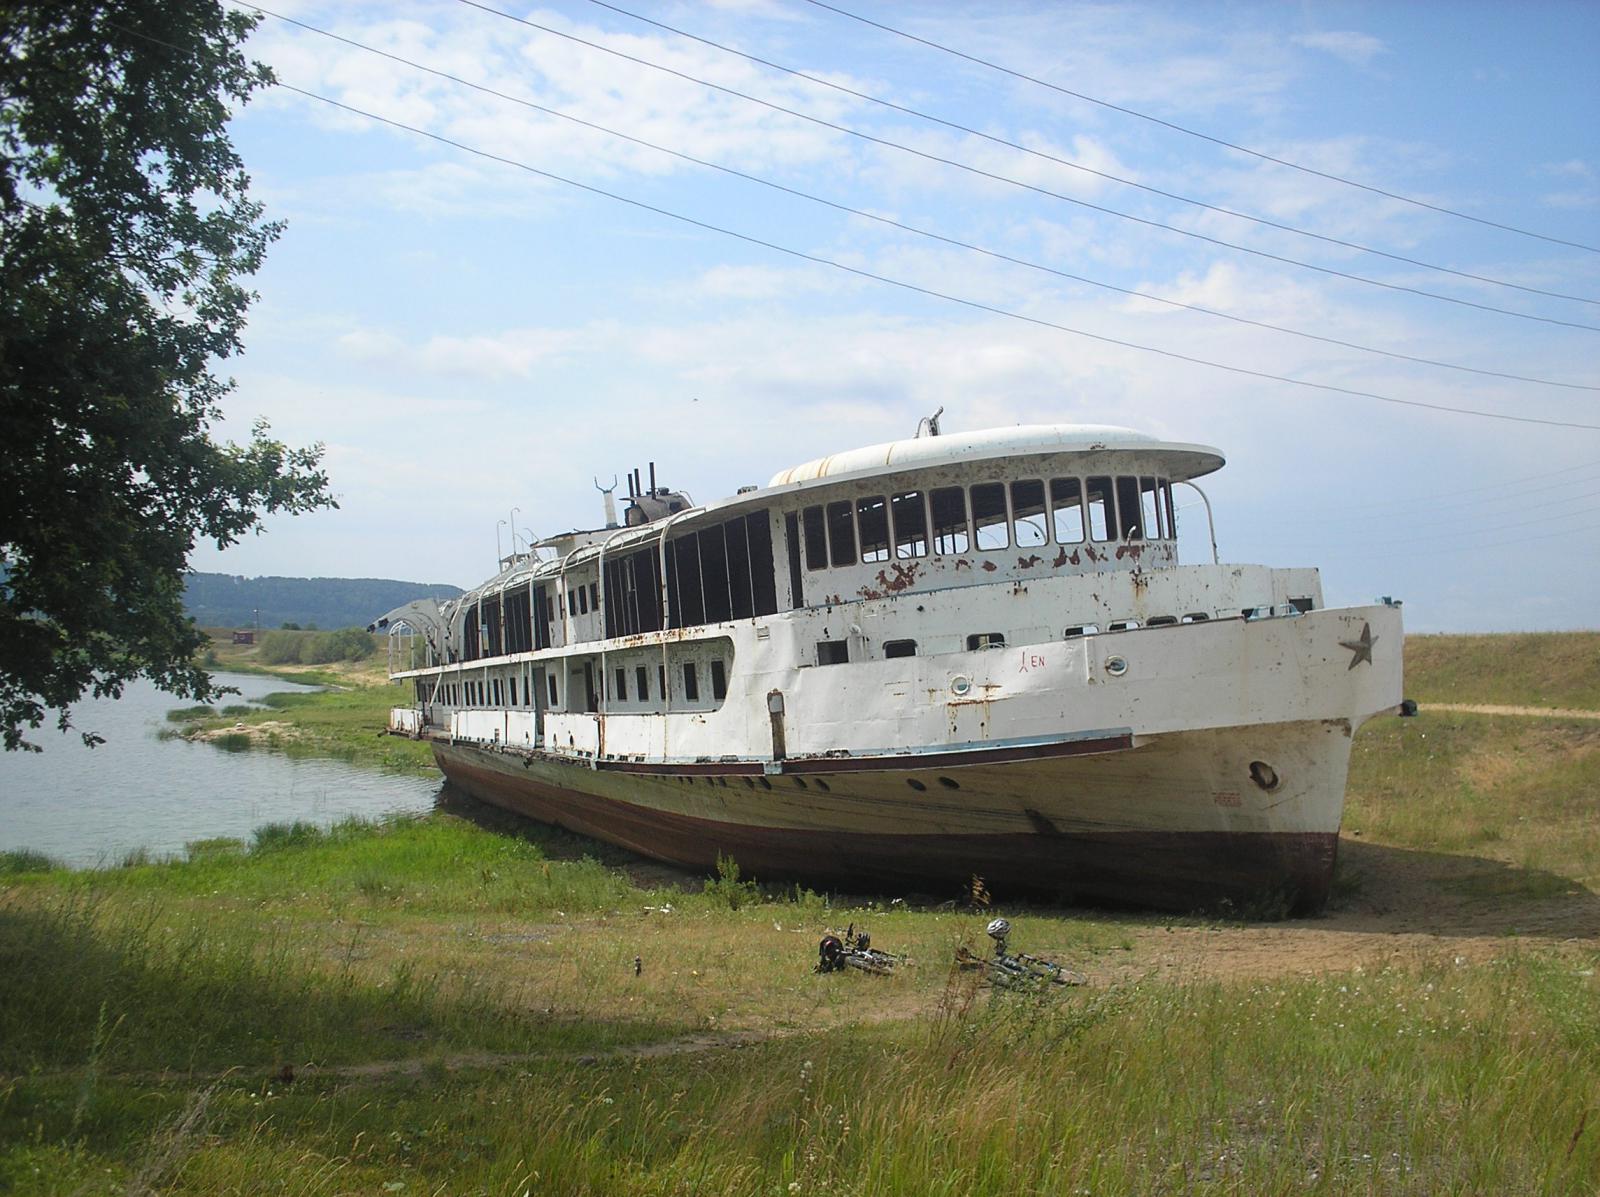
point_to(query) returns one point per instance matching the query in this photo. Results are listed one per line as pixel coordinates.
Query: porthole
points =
(800, 782)
(1264, 775)
(1116, 666)
(915, 784)
(950, 783)
(960, 686)
(823, 786)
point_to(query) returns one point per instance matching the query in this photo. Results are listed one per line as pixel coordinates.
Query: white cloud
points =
(1357, 49)
(511, 354)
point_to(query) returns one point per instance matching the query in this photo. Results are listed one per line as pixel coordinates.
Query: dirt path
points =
(1473, 708)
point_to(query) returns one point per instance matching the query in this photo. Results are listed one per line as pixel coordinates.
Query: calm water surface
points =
(89, 806)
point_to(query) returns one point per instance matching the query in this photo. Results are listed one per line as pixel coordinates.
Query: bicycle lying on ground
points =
(1017, 970)
(835, 954)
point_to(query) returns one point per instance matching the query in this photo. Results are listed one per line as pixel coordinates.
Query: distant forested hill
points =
(225, 600)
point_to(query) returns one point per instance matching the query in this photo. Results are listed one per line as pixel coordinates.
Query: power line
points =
(1354, 512)
(1412, 523)
(1145, 116)
(1391, 503)
(1469, 543)
(1067, 162)
(885, 220)
(1469, 546)
(926, 291)
(999, 178)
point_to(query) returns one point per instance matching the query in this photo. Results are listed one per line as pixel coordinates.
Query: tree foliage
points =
(126, 228)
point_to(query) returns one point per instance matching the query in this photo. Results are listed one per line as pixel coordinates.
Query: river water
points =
(91, 806)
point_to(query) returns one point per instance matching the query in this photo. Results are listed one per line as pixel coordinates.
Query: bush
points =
(316, 648)
(274, 836)
(729, 888)
(25, 860)
(189, 714)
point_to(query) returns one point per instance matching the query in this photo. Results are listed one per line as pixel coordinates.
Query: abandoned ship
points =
(913, 664)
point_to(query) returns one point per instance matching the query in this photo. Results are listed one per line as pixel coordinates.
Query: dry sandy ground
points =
(1411, 907)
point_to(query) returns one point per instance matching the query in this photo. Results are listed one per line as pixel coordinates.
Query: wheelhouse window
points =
(990, 522)
(1027, 513)
(841, 534)
(1132, 522)
(816, 536)
(691, 682)
(899, 648)
(1066, 510)
(1082, 629)
(910, 525)
(719, 680)
(554, 701)
(872, 521)
(621, 694)
(986, 640)
(1150, 507)
(950, 530)
(641, 682)
(1102, 509)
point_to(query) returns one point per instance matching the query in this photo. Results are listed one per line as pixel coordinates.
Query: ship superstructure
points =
(915, 663)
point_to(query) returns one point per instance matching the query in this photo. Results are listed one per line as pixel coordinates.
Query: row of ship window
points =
(837, 652)
(502, 692)
(1026, 513)
(497, 692)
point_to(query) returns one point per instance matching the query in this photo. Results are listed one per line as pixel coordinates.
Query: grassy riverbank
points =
(344, 720)
(451, 1005)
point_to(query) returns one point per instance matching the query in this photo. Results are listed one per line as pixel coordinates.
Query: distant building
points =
(244, 637)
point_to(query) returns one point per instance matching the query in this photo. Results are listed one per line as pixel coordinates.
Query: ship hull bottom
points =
(1261, 871)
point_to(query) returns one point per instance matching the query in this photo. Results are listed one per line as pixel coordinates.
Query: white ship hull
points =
(1176, 792)
(917, 664)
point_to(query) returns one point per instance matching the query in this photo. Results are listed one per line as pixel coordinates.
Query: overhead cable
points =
(892, 223)
(999, 178)
(1067, 162)
(1447, 522)
(1446, 535)
(975, 305)
(1385, 508)
(1177, 128)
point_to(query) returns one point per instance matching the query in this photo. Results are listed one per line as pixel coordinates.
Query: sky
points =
(479, 331)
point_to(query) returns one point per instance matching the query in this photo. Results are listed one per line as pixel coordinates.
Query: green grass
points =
(1543, 669)
(462, 1012)
(1511, 789)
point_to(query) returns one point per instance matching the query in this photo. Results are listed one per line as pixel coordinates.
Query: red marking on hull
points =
(1165, 870)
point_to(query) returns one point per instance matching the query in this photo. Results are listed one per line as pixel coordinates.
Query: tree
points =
(125, 231)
